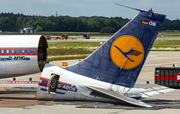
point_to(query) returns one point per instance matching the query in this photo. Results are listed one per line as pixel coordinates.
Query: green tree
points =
(7, 24)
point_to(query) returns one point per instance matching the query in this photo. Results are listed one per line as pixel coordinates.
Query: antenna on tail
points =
(127, 7)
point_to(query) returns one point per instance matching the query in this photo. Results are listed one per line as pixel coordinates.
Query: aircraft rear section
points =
(111, 71)
(168, 76)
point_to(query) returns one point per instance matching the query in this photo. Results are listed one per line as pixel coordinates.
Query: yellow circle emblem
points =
(127, 52)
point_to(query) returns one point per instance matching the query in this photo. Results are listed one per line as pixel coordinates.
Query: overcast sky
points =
(76, 8)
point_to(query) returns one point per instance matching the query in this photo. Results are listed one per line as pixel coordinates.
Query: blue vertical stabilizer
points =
(121, 58)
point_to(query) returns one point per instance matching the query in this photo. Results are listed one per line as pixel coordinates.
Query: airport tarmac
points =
(21, 98)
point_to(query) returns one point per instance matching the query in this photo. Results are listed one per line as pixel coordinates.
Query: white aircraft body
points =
(108, 74)
(22, 54)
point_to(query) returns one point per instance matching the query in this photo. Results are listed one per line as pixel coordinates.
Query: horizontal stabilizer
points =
(119, 96)
(149, 90)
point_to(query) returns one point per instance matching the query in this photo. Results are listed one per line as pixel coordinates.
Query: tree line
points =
(16, 22)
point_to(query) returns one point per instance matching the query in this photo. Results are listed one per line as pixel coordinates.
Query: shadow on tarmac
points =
(29, 93)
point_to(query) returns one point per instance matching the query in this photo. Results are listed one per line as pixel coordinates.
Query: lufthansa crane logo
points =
(127, 52)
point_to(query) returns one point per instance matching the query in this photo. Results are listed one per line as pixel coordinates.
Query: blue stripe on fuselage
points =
(43, 89)
(15, 59)
(18, 51)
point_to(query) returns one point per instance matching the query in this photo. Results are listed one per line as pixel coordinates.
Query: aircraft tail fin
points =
(121, 58)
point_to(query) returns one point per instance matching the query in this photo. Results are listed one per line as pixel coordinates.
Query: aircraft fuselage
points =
(71, 86)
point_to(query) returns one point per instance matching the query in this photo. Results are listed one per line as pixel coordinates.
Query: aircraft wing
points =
(119, 96)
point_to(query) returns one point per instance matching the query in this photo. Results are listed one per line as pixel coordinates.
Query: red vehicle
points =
(64, 36)
(48, 37)
(86, 36)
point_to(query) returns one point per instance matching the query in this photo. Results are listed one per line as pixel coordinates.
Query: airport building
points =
(28, 30)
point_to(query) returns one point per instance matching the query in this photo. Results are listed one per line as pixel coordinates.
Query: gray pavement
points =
(164, 103)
